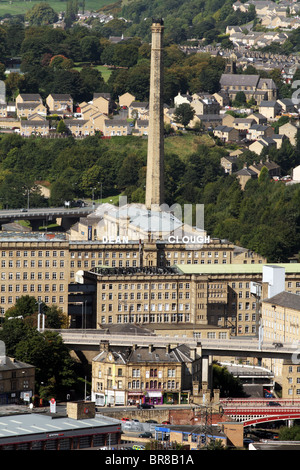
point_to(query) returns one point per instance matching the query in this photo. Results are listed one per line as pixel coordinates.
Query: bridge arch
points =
(269, 419)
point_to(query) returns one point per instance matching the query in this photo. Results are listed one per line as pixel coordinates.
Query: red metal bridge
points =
(254, 411)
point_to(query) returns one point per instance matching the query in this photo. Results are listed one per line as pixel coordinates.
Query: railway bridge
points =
(256, 411)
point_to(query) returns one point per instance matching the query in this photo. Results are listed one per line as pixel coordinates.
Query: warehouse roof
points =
(255, 268)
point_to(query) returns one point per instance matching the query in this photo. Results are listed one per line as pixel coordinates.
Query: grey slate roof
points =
(246, 172)
(31, 96)
(285, 299)
(231, 79)
(13, 364)
(61, 96)
(139, 104)
(146, 354)
(268, 104)
(268, 81)
(224, 128)
(268, 165)
(210, 117)
(107, 96)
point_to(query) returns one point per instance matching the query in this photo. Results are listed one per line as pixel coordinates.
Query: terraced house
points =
(151, 375)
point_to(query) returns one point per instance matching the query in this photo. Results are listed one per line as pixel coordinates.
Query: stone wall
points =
(189, 415)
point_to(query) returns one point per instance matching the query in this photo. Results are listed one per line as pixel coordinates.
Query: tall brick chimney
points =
(155, 155)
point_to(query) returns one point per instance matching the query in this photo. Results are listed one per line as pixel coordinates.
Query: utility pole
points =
(205, 428)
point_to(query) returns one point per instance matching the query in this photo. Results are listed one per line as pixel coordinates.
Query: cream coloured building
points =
(281, 321)
(281, 316)
(59, 102)
(34, 265)
(103, 102)
(290, 131)
(126, 99)
(189, 295)
(154, 375)
(24, 110)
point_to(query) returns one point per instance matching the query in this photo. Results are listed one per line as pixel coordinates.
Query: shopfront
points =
(135, 398)
(171, 398)
(154, 398)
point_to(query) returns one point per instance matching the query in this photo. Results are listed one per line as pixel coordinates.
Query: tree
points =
(14, 189)
(71, 12)
(229, 385)
(13, 83)
(25, 306)
(67, 81)
(61, 191)
(264, 175)
(92, 81)
(61, 127)
(12, 332)
(41, 14)
(289, 433)
(61, 62)
(240, 99)
(128, 173)
(184, 113)
(55, 318)
(90, 48)
(53, 364)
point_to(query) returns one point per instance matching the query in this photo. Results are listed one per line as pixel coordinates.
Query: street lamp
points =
(93, 192)
(40, 316)
(83, 315)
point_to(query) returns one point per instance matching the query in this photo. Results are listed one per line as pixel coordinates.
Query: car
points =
(125, 419)
(138, 447)
(273, 403)
(151, 421)
(80, 203)
(278, 345)
(147, 435)
(145, 406)
(24, 210)
(136, 420)
(165, 422)
(247, 441)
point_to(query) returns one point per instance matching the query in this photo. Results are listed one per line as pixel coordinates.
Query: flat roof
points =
(256, 268)
(27, 424)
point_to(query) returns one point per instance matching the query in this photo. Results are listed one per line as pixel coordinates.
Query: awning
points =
(153, 394)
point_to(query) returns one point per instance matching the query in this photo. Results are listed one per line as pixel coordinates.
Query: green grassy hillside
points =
(15, 7)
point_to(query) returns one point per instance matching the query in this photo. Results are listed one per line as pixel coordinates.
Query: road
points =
(44, 211)
(235, 347)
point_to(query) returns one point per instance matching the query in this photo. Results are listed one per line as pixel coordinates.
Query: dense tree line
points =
(205, 20)
(264, 217)
(56, 373)
(49, 59)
